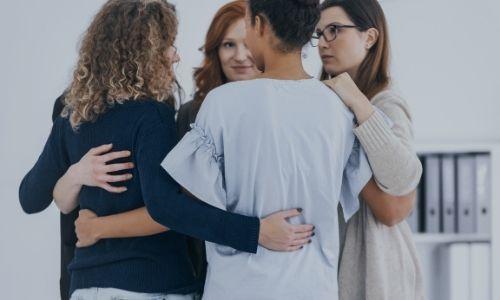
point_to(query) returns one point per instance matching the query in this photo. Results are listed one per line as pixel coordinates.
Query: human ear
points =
(372, 38)
(260, 25)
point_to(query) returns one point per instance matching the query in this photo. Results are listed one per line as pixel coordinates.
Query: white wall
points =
(38, 49)
(445, 61)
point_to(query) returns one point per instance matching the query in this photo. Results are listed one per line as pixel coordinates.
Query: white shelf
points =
(443, 238)
(436, 147)
(428, 244)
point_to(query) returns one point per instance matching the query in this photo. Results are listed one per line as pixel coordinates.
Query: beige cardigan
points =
(380, 262)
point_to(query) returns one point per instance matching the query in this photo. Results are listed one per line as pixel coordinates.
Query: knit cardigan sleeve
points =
(396, 167)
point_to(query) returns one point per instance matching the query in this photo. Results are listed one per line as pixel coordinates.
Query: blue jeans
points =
(116, 294)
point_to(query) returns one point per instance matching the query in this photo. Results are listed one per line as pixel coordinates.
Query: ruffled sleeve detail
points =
(196, 165)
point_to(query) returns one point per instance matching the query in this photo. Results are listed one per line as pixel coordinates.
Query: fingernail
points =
(313, 234)
(310, 241)
(314, 227)
(299, 210)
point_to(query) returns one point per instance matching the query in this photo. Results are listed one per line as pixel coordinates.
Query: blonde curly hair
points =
(123, 56)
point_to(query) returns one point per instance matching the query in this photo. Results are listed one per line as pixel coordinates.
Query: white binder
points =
(432, 194)
(449, 212)
(455, 262)
(466, 174)
(480, 271)
(483, 193)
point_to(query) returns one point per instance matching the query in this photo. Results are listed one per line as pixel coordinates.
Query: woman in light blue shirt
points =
(262, 145)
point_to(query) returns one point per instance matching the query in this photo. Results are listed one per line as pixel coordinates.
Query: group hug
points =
(269, 184)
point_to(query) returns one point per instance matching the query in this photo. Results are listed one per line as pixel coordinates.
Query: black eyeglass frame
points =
(321, 33)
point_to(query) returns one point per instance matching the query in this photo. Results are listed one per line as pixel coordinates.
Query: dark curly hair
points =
(123, 56)
(293, 21)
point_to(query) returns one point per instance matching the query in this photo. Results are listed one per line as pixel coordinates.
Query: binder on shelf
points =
(480, 271)
(448, 212)
(483, 193)
(432, 194)
(466, 193)
(455, 260)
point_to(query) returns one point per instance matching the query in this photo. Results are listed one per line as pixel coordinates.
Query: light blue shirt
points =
(263, 146)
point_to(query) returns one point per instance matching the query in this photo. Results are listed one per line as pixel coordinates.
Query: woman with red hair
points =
(226, 59)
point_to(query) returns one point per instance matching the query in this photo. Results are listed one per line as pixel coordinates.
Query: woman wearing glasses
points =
(283, 134)
(379, 258)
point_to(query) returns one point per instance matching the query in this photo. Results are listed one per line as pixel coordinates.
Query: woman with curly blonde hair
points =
(121, 94)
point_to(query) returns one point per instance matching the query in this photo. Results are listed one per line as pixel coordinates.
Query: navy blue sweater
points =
(154, 264)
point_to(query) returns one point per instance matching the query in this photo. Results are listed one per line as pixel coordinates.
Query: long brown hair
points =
(373, 74)
(210, 75)
(123, 56)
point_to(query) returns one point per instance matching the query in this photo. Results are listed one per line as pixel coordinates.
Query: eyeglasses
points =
(330, 33)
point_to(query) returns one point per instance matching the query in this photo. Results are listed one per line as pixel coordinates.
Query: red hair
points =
(210, 75)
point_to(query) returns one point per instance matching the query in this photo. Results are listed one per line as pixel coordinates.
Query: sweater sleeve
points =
(35, 191)
(177, 211)
(396, 167)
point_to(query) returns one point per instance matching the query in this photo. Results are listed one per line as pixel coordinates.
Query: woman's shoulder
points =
(391, 102)
(235, 89)
(149, 108)
(387, 96)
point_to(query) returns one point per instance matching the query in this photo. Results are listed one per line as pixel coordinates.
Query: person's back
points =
(281, 141)
(285, 144)
(146, 261)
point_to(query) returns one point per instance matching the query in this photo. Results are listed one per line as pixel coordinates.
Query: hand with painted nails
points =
(277, 234)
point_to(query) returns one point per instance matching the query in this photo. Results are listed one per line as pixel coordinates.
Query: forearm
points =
(195, 218)
(66, 191)
(35, 191)
(395, 165)
(362, 109)
(179, 212)
(390, 210)
(134, 223)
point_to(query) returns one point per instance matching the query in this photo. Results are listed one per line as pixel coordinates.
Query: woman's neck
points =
(284, 66)
(353, 72)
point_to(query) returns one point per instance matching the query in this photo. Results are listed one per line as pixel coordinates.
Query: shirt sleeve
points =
(174, 209)
(35, 191)
(357, 173)
(387, 138)
(197, 162)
